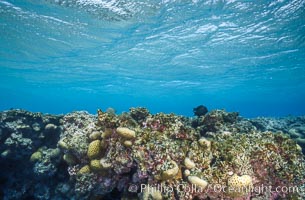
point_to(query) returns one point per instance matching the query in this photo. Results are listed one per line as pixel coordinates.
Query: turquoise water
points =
(58, 56)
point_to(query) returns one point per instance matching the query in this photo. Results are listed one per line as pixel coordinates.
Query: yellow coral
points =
(95, 135)
(239, 186)
(189, 164)
(127, 143)
(187, 173)
(299, 147)
(62, 144)
(36, 156)
(205, 143)
(94, 149)
(126, 132)
(95, 165)
(198, 182)
(84, 170)
(170, 173)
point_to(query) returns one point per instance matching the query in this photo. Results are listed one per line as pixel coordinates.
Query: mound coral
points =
(126, 132)
(189, 164)
(36, 156)
(202, 184)
(171, 171)
(239, 186)
(84, 170)
(94, 149)
(95, 165)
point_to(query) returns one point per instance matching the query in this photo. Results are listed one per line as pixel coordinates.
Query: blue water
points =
(248, 56)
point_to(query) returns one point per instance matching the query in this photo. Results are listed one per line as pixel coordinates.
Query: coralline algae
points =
(138, 155)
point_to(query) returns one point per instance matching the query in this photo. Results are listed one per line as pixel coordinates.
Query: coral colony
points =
(138, 155)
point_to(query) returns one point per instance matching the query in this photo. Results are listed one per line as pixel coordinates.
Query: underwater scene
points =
(152, 100)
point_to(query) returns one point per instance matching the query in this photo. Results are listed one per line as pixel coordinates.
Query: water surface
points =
(58, 56)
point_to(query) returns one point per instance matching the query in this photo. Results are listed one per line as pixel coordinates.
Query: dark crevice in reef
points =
(139, 155)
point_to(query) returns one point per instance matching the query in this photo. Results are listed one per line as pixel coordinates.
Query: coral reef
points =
(139, 155)
(294, 126)
(46, 161)
(169, 150)
(30, 161)
(139, 114)
(218, 121)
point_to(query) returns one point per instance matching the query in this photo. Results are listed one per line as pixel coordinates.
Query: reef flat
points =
(139, 155)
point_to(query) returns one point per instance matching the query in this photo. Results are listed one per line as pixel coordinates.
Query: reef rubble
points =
(139, 155)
